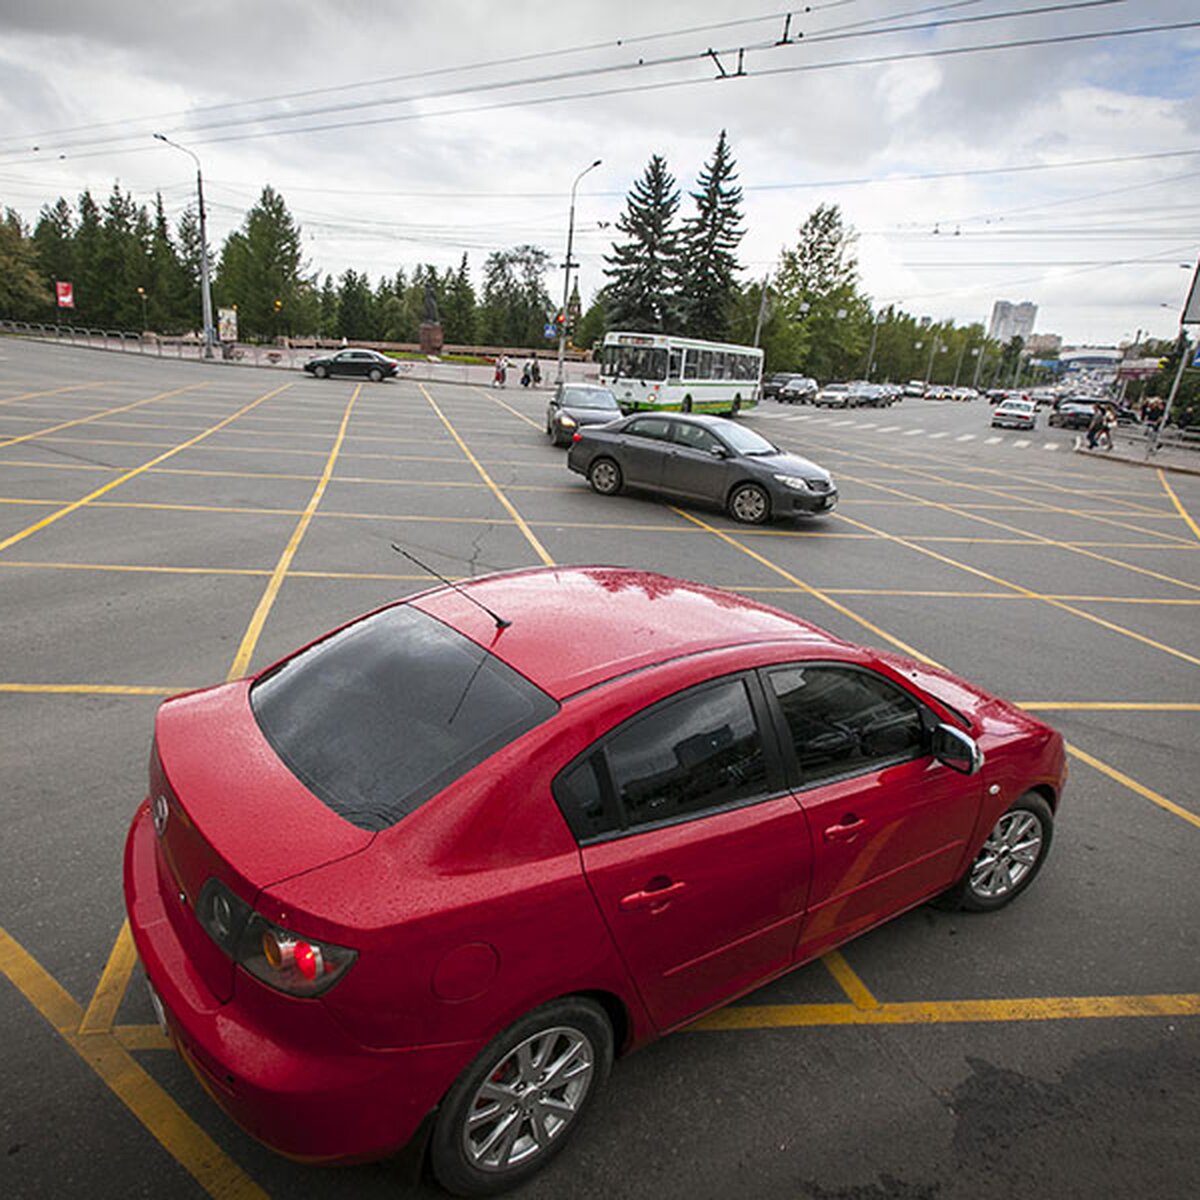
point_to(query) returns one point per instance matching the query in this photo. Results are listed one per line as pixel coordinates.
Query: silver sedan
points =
(702, 458)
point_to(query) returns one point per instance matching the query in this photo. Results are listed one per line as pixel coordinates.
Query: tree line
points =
(664, 272)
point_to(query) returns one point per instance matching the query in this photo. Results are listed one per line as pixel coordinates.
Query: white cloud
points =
(378, 197)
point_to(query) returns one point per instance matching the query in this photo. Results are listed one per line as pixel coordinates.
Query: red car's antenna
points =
(501, 623)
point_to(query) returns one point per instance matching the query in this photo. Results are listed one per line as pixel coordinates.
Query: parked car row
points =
(857, 395)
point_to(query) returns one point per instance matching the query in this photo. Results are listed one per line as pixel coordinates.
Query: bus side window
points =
(675, 371)
(706, 363)
(690, 364)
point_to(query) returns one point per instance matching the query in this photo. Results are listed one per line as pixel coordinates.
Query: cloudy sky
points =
(979, 153)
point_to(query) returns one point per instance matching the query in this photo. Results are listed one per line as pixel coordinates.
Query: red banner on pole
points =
(65, 292)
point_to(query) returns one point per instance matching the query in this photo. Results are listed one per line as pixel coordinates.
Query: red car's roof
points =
(575, 627)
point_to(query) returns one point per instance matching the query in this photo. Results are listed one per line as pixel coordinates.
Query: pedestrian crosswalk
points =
(842, 422)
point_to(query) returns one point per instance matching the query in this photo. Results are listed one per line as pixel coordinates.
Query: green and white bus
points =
(657, 371)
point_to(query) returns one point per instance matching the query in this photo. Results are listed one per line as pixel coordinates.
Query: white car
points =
(1015, 414)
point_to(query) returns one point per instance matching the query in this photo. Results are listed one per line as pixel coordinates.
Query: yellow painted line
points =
(254, 631)
(178, 1134)
(1104, 558)
(1024, 591)
(944, 1012)
(19, 564)
(1102, 706)
(254, 571)
(75, 387)
(25, 437)
(519, 521)
(102, 1008)
(124, 478)
(809, 590)
(1147, 793)
(847, 979)
(509, 408)
(88, 689)
(141, 1037)
(1183, 512)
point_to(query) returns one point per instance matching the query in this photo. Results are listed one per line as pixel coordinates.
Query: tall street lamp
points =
(562, 325)
(205, 288)
(145, 320)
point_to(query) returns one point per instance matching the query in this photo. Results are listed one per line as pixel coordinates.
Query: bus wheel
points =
(687, 404)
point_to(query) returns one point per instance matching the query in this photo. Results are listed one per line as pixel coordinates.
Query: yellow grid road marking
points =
(25, 437)
(88, 689)
(178, 1134)
(1024, 591)
(847, 979)
(1183, 512)
(114, 483)
(530, 536)
(250, 640)
(1037, 537)
(943, 1012)
(74, 387)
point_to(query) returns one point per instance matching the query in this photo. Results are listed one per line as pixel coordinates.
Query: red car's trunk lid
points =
(233, 812)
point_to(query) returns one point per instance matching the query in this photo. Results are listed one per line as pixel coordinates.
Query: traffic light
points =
(560, 319)
(278, 305)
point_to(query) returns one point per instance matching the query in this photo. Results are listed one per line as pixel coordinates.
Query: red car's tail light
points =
(279, 958)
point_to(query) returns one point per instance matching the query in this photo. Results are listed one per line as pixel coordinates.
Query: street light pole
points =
(205, 287)
(145, 320)
(562, 328)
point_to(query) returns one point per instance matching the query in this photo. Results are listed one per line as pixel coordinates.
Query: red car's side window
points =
(844, 720)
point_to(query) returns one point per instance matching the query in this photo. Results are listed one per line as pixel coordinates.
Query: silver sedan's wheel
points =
(605, 477)
(515, 1107)
(749, 504)
(1010, 858)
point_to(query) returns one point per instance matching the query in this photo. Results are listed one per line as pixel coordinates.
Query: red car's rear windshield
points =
(381, 716)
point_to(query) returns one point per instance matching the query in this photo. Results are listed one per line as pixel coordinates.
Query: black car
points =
(358, 364)
(799, 389)
(702, 458)
(1072, 414)
(574, 405)
(774, 386)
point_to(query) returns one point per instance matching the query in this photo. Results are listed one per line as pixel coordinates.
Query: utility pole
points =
(762, 310)
(562, 328)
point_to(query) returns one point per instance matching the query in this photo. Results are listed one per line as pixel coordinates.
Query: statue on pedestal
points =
(431, 327)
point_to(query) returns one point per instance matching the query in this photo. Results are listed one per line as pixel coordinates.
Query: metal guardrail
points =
(247, 354)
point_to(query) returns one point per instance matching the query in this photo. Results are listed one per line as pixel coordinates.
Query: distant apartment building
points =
(1042, 344)
(1012, 320)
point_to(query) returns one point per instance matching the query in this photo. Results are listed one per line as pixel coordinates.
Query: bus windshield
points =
(634, 362)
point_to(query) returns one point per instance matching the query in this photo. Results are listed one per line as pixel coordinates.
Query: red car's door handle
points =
(850, 827)
(657, 896)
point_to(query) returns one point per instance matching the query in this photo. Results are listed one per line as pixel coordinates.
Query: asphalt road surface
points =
(167, 525)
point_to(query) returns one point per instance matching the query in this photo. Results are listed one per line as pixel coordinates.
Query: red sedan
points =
(432, 872)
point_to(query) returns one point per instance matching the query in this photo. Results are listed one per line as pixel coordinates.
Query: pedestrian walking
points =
(527, 373)
(1095, 426)
(536, 371)
(501, 375)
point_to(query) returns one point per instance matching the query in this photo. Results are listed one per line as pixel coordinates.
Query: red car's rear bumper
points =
(282, 1068)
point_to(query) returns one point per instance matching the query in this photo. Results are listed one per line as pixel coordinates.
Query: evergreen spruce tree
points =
(260, 264)
(167, 290)
(709, 243)
(458, 312)
(54, 240)
(88, 274)
(644, 270)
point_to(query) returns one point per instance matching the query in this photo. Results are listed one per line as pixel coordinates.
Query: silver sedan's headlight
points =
(795, 482)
